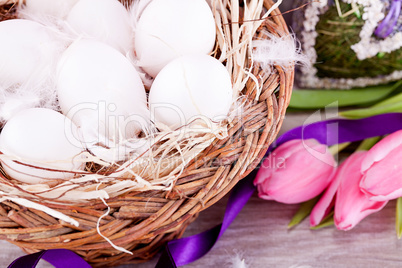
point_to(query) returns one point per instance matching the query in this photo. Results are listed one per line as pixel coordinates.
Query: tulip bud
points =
(382, 169)
(351, 204)
(296, 171)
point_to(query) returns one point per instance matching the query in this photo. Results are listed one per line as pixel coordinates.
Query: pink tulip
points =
(382, 169)
(296, 171)
(351, 204)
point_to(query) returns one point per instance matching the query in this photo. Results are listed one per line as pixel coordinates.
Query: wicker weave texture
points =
(142, 222)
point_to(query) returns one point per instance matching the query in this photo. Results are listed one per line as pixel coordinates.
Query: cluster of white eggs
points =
(102, 100)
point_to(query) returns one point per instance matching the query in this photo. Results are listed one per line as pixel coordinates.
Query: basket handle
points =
(60, 258)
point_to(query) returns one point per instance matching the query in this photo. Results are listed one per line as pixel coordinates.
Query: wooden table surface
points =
(261, 236)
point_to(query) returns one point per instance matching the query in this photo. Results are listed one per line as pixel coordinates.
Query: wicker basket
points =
(142, 222)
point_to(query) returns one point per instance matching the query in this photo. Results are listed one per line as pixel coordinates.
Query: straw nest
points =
(137, 206)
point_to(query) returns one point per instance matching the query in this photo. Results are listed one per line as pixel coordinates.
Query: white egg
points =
(169, 29)
(25, 47)
(100, 90)
(43, 138)
(58, 9)
(105, 20)
(189, 87)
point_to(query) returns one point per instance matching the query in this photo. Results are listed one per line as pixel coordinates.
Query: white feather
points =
(146, 79)
(237, 261)
(135, 10)
(284, 51)
(29, 52)
(48, 8)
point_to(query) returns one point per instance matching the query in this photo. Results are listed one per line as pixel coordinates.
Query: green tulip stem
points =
(337, 148)
(327, 221)
(366, 144)
(399, 217)
(304, 210)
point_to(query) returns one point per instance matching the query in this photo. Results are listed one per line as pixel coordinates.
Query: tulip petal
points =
(382, 149)
(265, 170)
(351, 221)
(325, 204)
(319, 151)
(352, 205)
(383, 180)
(288, 148)
(301, 179)
(304, 172)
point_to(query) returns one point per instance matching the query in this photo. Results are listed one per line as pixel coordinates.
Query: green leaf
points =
(390, 105)
(315, 99)
(327, 221)
(399, 217)
(304, 210)
(392, 100)
(362, 113)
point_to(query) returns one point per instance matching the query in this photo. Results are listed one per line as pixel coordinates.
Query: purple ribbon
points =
(186, 250)
(387, 25)
(60, 258)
